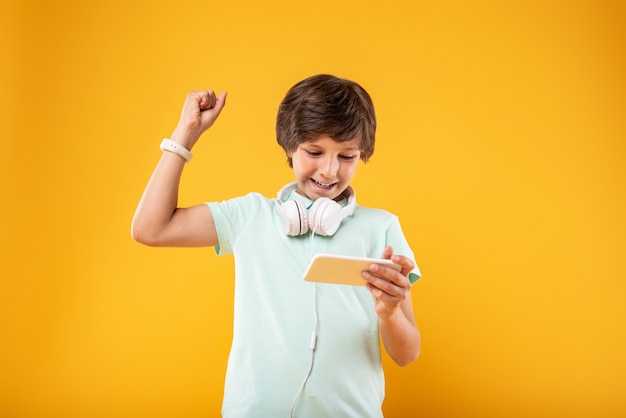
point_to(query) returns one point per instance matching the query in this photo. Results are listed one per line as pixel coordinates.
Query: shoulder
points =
(364, 213)
(250, 200)
(240, 209)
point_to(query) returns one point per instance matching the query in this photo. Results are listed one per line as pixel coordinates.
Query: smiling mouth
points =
(323, 185)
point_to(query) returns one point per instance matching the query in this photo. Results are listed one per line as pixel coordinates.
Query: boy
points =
(308, 349)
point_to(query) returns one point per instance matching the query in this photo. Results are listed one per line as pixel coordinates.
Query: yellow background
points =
(501, 146)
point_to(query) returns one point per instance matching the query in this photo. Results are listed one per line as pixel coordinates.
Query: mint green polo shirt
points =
(274, 314)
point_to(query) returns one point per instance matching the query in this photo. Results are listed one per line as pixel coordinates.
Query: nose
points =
(328, 167)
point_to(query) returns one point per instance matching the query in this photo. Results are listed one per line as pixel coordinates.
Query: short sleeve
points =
(395, 238)
(230, 216)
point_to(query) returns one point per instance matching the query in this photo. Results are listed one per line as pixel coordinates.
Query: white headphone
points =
(323, 218)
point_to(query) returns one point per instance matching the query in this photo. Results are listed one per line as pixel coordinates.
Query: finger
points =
(389, 274)
(387, 252)
(213, 112)
(207, 100)
(406, 263)
(386, 292)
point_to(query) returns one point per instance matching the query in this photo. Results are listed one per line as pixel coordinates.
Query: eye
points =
(347, 157)
(313, 153)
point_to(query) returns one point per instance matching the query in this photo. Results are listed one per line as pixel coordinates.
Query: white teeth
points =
(324, 185)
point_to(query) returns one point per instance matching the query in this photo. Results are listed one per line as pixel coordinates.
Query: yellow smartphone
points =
(341, 269)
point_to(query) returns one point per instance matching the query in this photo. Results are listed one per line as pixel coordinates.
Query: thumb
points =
(387, 252)
(220, 101)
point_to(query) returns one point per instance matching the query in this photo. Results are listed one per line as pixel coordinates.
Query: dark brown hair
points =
(326, 105)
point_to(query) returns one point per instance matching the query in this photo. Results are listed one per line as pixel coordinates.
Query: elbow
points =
(403, 344)
(408, 359)
(142, 235)
(409, 352)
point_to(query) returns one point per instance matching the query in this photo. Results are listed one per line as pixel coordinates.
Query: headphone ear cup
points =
(321, 216)
(295, 217)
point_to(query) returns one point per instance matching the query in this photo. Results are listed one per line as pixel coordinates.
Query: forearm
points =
(159, 200)
(401, 337)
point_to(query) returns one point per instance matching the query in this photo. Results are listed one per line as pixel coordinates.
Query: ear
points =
(290, 157)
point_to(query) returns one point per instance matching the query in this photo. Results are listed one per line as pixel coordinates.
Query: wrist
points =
(185, 135)
(167, 145)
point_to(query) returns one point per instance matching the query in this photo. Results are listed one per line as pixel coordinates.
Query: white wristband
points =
(171, 146)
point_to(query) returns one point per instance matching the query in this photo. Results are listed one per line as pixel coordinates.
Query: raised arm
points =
(158, 220)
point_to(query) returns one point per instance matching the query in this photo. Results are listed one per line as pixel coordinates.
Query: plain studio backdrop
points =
(501, 147)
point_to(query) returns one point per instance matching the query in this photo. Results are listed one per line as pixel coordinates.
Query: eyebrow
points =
(313, 144)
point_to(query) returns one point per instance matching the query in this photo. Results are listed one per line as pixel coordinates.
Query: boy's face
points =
(324, 167)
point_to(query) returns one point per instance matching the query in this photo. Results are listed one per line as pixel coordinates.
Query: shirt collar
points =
(308, 202)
